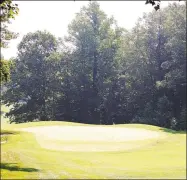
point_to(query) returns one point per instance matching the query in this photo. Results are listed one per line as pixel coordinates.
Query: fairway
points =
(52, 154)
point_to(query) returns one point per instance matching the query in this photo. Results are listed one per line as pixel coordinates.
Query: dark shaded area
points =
(12, 167)
(6, 132)
(2, 112)
(172, 131)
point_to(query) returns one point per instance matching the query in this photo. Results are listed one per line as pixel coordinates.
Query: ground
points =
(160, 154)
(91, 138)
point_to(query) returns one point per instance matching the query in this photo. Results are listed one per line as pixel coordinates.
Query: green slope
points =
(22, 157)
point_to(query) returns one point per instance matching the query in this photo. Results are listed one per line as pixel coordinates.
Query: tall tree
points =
(8, 12)
(155, 66)
(29, 90)
(95, 38)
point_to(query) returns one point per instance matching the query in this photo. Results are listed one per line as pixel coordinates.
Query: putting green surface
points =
(92, 138)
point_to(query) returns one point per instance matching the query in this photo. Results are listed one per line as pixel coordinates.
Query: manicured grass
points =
(23, 158)
(40, 123)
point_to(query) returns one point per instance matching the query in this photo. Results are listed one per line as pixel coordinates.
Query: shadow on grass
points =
(12, 167)
(172, 131)
(7, 132)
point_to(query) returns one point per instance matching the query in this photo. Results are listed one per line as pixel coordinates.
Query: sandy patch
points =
(89, 138)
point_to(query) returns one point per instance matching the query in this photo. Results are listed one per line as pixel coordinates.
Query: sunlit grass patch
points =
(22, 157)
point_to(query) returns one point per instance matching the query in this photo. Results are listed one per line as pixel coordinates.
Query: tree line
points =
(101, 73)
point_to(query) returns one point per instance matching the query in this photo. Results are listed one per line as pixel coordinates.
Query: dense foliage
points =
(5, 70)
(102, 74)
(8, 12)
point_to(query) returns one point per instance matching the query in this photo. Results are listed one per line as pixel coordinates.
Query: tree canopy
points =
(8, 11)
(101, 73)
